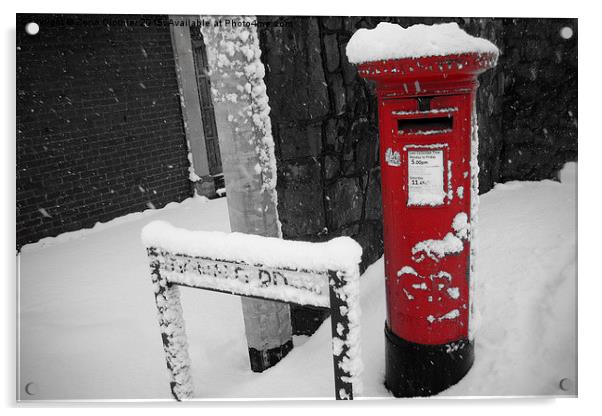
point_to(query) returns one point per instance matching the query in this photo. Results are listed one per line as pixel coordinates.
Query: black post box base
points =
(413, 370)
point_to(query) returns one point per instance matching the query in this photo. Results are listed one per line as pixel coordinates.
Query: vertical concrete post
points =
(191, 108)
(245, 136)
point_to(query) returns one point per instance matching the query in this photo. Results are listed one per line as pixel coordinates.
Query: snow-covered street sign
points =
(323, 275)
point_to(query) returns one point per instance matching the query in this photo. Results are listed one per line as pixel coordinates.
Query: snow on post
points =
(426, 84)
(243, 117)
(175, 344)
(323, 275)
(247, 148)
(391, 41)
(473, 314)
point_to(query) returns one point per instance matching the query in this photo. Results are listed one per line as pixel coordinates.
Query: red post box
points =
(428, 151)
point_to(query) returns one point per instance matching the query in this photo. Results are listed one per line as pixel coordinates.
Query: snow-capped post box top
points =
(391, 41)
(390, 51)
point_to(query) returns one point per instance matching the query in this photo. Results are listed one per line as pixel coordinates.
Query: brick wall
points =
(99, 124)
(325, 124)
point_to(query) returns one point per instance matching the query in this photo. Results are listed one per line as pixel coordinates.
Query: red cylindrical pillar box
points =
(429, 171)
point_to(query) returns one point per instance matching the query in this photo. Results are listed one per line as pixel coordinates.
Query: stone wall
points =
(326, 129)
(99, 123)
(539, 103)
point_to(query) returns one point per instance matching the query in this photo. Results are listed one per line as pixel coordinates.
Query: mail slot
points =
(429, 174)
(433, 125)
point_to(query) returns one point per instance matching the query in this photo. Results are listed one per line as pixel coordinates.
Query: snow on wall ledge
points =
(340, 253)
(391, 41)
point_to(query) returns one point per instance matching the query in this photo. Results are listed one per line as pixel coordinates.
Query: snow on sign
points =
(392, 157)
(324, 275)
(425, 177)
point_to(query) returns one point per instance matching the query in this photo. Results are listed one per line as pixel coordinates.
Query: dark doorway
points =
(201, 67)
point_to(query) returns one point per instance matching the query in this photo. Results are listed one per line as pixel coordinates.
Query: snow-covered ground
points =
(88, 327)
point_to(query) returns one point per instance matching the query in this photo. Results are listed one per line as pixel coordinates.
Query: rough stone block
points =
(334, 135)
(331, 50)
(373, 210)
(331, 166)
(332, 22)
(338, 93)
(344, 200)
(300, 201)
(299, 140)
